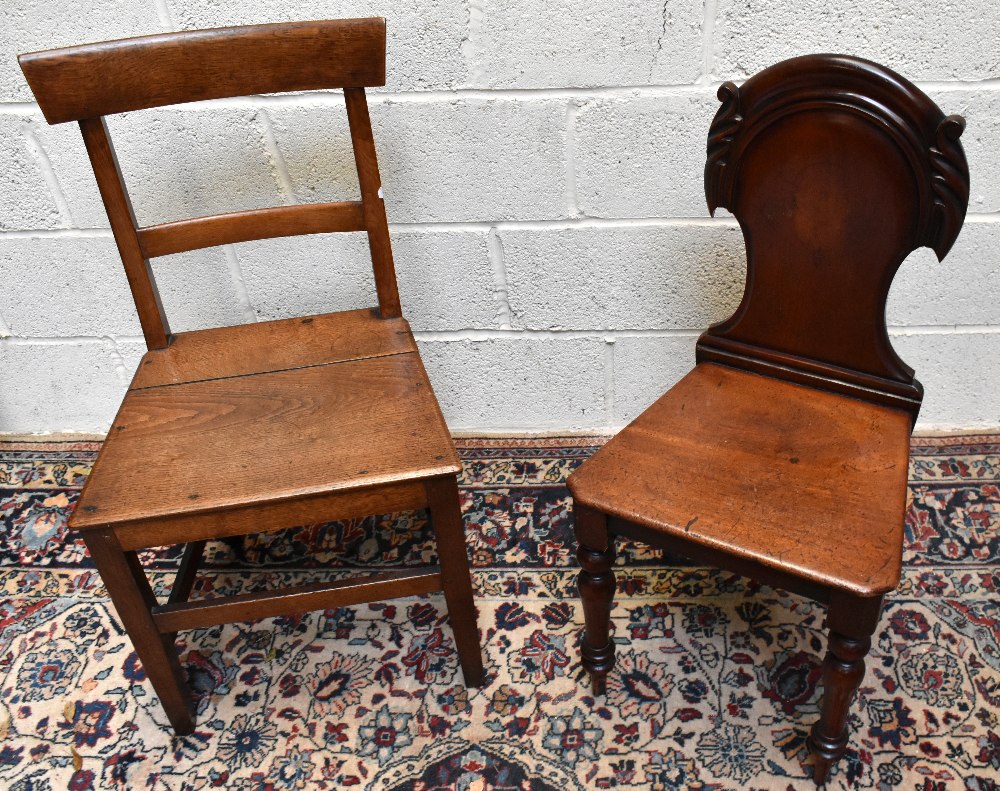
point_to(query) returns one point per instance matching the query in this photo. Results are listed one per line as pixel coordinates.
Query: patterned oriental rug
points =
(715, 688)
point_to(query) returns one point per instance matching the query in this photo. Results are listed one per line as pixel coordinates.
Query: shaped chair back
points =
(836, 169)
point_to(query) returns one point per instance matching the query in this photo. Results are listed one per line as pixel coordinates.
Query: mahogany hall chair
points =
(334, 411)
(783, 454)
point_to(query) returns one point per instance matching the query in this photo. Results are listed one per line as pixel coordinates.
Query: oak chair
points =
(783, 454)
(335, 410)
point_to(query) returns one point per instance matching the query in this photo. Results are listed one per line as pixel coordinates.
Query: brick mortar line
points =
(122, 370)
(273, 152)
(572, 196)
(165, 16)
(568, 223)
(501, 285)
(501, 94)
(477, 335)
(708, 41)
(240, 285)
(610, 379)
(565, 223)
(470, 46)
(41, 157)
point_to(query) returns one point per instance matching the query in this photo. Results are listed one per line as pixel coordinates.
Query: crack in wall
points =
(609, 380)
(665, 18)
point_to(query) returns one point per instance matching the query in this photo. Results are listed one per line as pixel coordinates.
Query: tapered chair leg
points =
(129, 589)
(449, 530)
(843, 671)
(596, 553)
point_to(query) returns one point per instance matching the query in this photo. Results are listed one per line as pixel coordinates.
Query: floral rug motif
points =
(715, 688)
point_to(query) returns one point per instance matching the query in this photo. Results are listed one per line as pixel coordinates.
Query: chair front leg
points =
(596, 581)
(852, 621)
(449, 530)
(129, 589)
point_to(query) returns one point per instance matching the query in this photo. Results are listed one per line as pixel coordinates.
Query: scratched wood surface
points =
(222, 443)
(274, 346)
(783, 474)
(110, 77)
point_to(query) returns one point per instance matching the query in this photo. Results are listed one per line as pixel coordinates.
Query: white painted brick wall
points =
(542, 163)
(922, 39)
(28, 202)
(623, 277)
(645, 367)
(508, 383)
(60, 386)
(445, 278)
(963, 289)
(959, 372)
(643, 156)
(181, 162)
(559, 43)
(440, 169)
(73, 286)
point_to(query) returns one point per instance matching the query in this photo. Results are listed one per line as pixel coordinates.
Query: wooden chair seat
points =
(784, 474)
(267, 413)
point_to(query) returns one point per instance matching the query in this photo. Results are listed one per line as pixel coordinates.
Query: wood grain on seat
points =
(224, 442)
(784, 474)
(273, 346)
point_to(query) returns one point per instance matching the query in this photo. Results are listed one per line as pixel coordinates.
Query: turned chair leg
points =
(449, 530)
(129, 589)
(851, 626)
(596, 581)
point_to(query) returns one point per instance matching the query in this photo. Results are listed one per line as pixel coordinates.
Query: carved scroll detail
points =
(723, 131)
(950, 183)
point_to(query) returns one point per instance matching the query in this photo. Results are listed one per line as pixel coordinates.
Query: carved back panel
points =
(836, 169)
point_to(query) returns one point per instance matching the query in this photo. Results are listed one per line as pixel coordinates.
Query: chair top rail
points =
(108, 77)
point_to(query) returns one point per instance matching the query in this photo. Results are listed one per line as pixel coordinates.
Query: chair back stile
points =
(88, 82)
(139, 273)
(373, 206)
